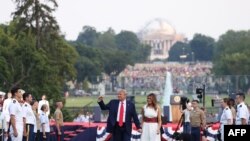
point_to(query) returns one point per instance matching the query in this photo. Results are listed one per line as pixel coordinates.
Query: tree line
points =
(229, 54)
(36, 56)
(107, 52)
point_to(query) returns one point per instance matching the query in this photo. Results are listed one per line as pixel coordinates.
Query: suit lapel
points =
(127, 110)
(116, 107)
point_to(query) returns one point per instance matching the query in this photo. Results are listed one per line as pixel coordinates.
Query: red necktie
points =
(121, 115)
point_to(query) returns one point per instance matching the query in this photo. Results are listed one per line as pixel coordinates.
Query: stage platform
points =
(90, 131)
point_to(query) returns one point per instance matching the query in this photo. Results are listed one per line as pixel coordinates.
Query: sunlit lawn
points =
(86, 101)
(92, 101)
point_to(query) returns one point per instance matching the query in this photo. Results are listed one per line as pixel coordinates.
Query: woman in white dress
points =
(151, 120)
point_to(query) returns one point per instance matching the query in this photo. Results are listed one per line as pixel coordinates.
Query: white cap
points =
(22, 91)
(2, 93)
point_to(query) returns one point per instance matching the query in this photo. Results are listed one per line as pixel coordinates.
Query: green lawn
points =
(92, 101)
(87, 101)
(76, 104)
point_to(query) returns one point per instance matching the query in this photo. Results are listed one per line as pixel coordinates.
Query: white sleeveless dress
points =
(149, 130)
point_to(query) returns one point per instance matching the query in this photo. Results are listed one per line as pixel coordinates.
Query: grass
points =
(86, 103)
(90, 101)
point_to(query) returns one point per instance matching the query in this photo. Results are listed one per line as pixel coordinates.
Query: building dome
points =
(158, 27)
(161, 36)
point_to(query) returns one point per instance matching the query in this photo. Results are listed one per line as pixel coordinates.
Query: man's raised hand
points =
(100, 98)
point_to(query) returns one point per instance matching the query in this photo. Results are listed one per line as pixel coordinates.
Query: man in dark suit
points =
(121, 113)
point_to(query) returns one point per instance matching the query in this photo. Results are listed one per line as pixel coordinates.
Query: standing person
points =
(203, 130)
(249, 115)
(121, 113)
(197, 121)
(151, 120)
(6, 114)
(2, 119)
(242, 115)
(186, 125)
(226, 117)
(17, 117)
(34, 105)
(44, 120)
(30, 117)
(59, 121)
(41, 102)
(232, 108)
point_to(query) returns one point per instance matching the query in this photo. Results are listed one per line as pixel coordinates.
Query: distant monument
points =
(168, 91)
(161, 36)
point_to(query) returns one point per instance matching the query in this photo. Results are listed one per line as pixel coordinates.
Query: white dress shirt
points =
(15, 109)
(6, 105)
(118, 113)
(242, 112)
(30, 117)
(44, 119)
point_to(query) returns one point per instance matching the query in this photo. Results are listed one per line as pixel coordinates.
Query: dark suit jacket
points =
(112, 106)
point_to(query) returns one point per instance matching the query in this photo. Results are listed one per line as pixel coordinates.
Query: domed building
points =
(161, 36)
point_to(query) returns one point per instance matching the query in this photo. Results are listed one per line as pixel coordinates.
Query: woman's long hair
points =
(154, 101)
(227, 101)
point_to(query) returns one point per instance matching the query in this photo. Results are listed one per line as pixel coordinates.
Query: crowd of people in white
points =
(24, 118)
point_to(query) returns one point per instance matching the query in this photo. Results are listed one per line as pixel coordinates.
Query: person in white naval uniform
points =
(34, 105)
(30, 117)
(17, 118)
(44, 121)
(40, 104)
(6, 114)
(242, 115)
(226, 117)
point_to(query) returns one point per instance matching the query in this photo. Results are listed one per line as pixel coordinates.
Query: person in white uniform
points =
(30, 117)
(151, 120)
(242, 115)
(34, 105)
(40, 104)
(2, 116)
(186, 112)
(226, 117)
(44, 121)
(17, 118)
(6, 114)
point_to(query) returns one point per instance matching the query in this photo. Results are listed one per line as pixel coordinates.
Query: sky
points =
(209, 17)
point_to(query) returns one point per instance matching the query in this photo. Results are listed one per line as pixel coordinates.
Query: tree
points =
(141, 53)
(127, 41)
(232, 58)
(86, 68)
(31, 68)
(88, 36)
(115, 62)
(203, 47)
(107, 52)
(33, 54)
(232, 53)
(178, 49)
(106, 40)
(89, 63)
(36, 15)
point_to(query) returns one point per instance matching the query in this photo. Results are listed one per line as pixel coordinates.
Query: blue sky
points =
(209, 17)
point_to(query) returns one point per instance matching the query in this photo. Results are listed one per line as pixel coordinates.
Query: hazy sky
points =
(209, 17)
